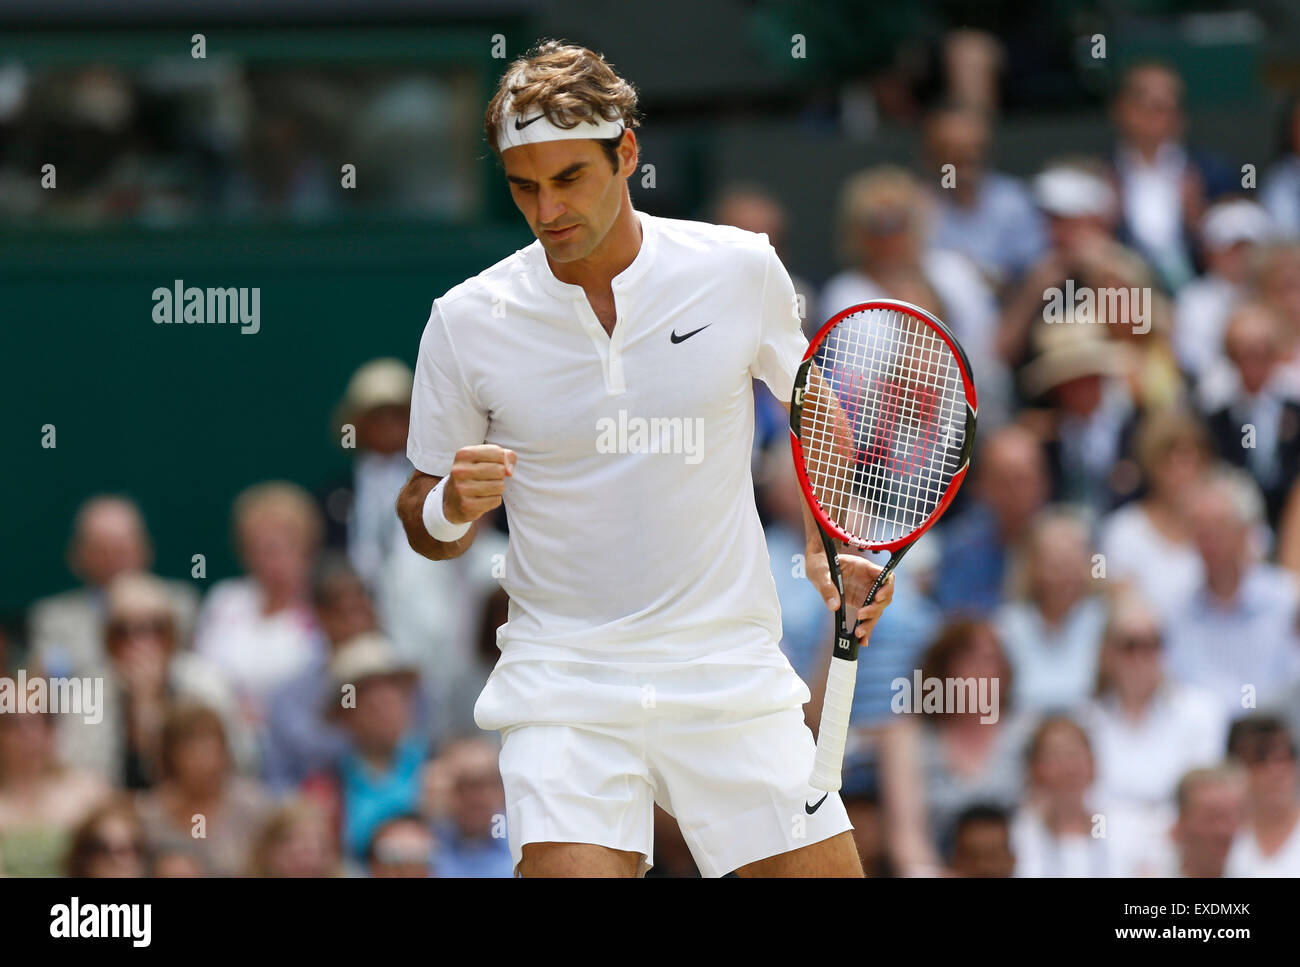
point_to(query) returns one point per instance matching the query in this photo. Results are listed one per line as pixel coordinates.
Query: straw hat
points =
(380, 382)
(1069, 351)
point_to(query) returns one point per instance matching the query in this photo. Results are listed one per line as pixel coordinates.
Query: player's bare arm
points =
(475, 486)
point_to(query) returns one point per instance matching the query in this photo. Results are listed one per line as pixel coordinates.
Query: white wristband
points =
(438, 526)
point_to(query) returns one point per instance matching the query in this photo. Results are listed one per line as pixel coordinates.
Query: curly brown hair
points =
(569, 84)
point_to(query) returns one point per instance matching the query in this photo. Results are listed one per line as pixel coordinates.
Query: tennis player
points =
(598, 383)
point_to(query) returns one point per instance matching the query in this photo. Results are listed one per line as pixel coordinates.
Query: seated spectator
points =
(146, 671)
(295, 841)
(1254, 417)
(884, 219)
(1269, 841)
(66, 630)
(259, 630)
(378, 776)
(1275, 279)
(1146, 730)
(978, 547)
(1052, 628)
(1211, 808)
(108, 844)
(1147, 543)
(1079, 206)
(1280, 188)
(1163, 185)
(301, 737)
(981, 843)
(199, 802)
(935, 767)
(41, 802)
(466, 689)
(358, 511)
(401, 848)
(1231, 232)
(985, 215)
(1064, 829)
(1235, 634)
(1090, 417)
(471, 827)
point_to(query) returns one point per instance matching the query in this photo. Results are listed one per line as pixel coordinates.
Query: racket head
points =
(882, 423)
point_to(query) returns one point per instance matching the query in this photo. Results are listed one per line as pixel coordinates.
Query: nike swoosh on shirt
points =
(812, 809)
(676, 338)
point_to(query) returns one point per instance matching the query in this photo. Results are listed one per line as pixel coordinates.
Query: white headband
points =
(515, 130)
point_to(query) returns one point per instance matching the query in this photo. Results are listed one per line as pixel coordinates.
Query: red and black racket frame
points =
(846, 641)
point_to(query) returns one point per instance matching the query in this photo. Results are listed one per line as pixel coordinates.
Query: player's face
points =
(568, 192)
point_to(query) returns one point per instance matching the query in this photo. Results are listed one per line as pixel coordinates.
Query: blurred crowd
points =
(1123, 568)
(188, 139)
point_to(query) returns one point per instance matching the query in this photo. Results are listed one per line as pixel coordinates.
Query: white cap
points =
(1073, 192)
(1239, 220)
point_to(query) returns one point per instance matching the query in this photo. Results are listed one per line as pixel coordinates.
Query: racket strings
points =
(883, 423)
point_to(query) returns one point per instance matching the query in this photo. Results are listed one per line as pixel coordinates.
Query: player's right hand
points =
(476, 482)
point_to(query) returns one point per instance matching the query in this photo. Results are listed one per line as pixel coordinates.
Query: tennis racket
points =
(882, 420)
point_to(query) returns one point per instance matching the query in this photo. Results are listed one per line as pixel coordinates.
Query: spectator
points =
(1275, 278)
(295, 841)
(146, 671)
(1211, 807)
(1062, 830)
(401, 847)
(1269, 842)
(1078, 204)
(956, 757)
(259, 629)
(1235, 634)
(41, 802)
(1147, 543)
(1163, 186)
(301, 738)
(471, 830)
(358, 513)
(1052, 630)
(1256, 424)
(109, 843)
(1231, 233)
(979, 546)
(981, 843)
(1090, 418)
(1280, 190)
(378, 777)
(985, 215)
(108, 539)
(200, 803)
(884, 223)
(469, 686)
(1146, 730)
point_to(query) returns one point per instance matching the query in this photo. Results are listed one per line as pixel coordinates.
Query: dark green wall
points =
(183, 417)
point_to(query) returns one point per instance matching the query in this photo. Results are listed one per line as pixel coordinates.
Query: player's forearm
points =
(410, 510)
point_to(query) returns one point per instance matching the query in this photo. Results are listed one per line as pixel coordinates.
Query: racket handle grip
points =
(834, 731)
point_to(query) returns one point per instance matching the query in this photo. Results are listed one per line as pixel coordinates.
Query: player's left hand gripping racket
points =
(883, 422)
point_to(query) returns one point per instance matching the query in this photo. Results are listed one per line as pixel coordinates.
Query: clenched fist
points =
(476, 482)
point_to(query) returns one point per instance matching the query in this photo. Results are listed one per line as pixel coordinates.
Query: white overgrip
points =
(834, 730)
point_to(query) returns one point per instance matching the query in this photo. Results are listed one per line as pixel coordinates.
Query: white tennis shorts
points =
(731, 767)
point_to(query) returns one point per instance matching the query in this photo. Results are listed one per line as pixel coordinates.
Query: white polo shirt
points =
(634, 538)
